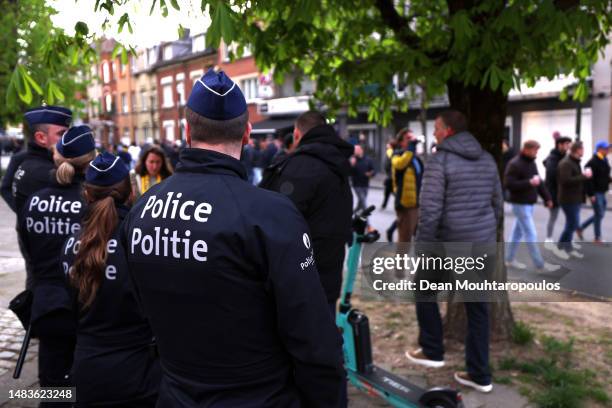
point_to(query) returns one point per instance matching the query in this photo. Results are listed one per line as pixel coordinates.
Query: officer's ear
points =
(188, 134)
(41, 138)
(247, 134)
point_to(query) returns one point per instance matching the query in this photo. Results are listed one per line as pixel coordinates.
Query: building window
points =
(233, 48)
(143, 100)
(124, 103)
(145, 132)
(249, 88)
(168, 52)
(180, 90)
(169, 129)
(199, 43)
(195, 75)
(154, 100)
(167, 101)
(105, 72)
(133, 100)
(109, 103)
(152, 56)
(126, 132)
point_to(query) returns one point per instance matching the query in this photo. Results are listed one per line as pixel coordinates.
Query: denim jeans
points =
(599, 210)
(524, 228)
(362, 196)
(572, 222)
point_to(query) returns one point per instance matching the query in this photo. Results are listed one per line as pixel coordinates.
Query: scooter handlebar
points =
(367, 212)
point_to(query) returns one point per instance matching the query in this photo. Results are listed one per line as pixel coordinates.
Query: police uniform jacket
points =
(48, 217)
(113, 359)
(33, 174)
(226, 275)
(7, 179)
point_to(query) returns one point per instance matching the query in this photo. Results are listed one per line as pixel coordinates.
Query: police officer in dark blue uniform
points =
(29, 171)
(114, 365)
(48, 218)
(225, 272)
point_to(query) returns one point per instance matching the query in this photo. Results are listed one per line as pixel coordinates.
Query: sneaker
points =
(516, 264)
(463, 378)
(417, 357)
(576, 246)
(560, 253)
(579, 234)
(576, 254)
(549, 244)
(548, 267)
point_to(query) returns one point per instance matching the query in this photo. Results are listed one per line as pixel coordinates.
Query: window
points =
(198, 43)
(145, 132)
(109, 103)
(143, 100)
(233, 48)
(133, 100)
(169, 129)
(105, 72)
(180, 90)
(124, 103)
(195, 75)
(153, 99)
(168, 52)
(168, 100)
(126, 132)
(249, 88)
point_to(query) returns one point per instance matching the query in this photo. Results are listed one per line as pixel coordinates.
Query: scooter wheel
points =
(441, 404)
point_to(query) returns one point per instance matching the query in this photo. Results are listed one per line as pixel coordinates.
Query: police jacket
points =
(7, 179)
(113, 360)
(47, 219)
(33, 174)
(226, 275)
(315, 178)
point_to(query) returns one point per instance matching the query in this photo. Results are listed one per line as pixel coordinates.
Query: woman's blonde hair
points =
(68, 167)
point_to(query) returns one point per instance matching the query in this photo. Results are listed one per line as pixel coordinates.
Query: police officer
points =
(49, 216)
(113, 360)
(226, 275)
(28, 171)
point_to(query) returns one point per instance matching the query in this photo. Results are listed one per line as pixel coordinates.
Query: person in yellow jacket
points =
(407, 172)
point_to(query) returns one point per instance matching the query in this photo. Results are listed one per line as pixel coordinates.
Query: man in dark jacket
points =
(461, 201)
(597, 189)
(29, 172)
(524, 184)
(315, 177)
(226, 276)
(361, 173)
(571, 180)
(551, 163)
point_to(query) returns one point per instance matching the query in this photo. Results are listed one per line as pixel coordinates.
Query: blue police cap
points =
(76, 141)
(216, 96)
(51, 115)
(106, 169)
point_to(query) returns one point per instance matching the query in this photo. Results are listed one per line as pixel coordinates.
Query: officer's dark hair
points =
(97, 227)
(166, 168)
(29, 131)
(454, 120)
(68, 167)
(309, 120)
(216, 131)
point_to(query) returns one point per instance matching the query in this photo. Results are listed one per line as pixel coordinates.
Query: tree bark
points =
(486, 113)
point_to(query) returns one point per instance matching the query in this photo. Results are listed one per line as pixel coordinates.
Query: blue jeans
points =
(572, 222)
(599, 210)
(524, 228)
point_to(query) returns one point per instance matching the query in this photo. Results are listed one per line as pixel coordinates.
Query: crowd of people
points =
(211, 278)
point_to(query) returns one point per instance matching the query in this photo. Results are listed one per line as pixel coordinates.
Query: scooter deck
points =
(391, 384)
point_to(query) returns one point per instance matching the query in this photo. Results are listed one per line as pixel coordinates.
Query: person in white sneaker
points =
(524, 184)
(571, 181)
(562, 144)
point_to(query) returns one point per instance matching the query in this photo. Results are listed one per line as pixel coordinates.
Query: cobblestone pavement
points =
(11, 337)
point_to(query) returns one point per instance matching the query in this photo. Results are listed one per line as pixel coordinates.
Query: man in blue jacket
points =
(225, 273)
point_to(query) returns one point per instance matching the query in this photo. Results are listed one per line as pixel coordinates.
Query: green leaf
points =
(81, 28)
(125, 18)
(124, 56)
(31, 82)
(152, 7)
(175, 5)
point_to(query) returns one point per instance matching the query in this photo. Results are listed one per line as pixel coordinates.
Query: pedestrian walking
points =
(551, 163)
(597, 189)
(571, 180)
(226, 275)
(29, 171)
(407, 174)
(524, 184)
(152, 168)
(114, 365)
(49, 216)
(461, 201)
(388, 182)
(362, 170)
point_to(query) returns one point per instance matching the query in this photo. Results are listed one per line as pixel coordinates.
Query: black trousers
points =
(55, 355)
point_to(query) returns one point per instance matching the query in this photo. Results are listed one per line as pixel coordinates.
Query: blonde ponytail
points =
(67, 168)
(65, 173)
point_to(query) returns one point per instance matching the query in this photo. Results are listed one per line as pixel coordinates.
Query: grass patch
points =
(522, 334)
(559, 384)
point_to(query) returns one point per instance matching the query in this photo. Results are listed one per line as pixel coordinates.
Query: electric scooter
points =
(354, 325)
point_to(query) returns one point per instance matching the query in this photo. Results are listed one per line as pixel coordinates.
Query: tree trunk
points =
(486, 113)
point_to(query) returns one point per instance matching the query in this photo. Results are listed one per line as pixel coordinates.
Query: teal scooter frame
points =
(354, 325)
